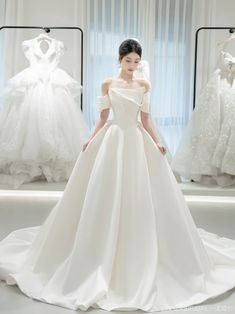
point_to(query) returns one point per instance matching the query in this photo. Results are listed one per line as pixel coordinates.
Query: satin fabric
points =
(122, 236)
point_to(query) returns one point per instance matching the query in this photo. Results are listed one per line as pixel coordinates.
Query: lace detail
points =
(228, 61)
(206, 152)
(40, 110)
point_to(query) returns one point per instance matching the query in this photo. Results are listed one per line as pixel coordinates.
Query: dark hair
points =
(128, 46)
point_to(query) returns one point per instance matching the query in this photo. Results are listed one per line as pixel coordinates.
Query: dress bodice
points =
(126, 104)
(40, 60)
(228, 63)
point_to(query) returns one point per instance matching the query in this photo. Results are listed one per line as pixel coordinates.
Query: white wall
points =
(225, 16)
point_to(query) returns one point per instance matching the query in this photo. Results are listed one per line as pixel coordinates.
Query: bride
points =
(121, 237)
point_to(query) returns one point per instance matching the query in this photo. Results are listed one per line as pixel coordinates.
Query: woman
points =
(122, 236)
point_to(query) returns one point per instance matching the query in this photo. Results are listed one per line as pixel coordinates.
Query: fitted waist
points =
(125, 125)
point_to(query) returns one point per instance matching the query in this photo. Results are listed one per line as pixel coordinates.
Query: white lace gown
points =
(206, 152)
(122, 236)
(41, 124)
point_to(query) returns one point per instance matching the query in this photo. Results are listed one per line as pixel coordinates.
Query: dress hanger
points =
(228, 39)
(43, 36)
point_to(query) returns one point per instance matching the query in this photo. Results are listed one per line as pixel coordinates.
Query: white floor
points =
(212, 209)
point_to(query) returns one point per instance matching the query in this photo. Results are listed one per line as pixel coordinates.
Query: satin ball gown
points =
(121, 237)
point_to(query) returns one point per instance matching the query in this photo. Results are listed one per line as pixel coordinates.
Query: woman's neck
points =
(126, 77)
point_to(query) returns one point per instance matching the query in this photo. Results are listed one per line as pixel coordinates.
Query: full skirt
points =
(41, 127)
(121, 237)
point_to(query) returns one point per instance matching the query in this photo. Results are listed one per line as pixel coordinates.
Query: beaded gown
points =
(206, 152)
(121, 237)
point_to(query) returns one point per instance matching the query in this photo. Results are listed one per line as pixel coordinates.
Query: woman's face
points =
(130, 62)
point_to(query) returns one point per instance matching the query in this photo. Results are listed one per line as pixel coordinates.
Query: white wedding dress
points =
(122, 236)
(41, 124)
(206, 152)
(143, 72)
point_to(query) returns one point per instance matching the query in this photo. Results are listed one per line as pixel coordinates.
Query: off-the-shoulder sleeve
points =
(103, 102)
(145, 107)
(25, 45)
(61, 47)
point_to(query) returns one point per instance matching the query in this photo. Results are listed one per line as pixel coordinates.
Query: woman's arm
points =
(148, 124)
(104, 114)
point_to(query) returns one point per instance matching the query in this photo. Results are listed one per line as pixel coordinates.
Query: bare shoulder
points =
(145, 83)
(105, 85)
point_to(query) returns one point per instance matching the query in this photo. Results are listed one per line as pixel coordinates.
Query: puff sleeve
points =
(103, 102)
(145, 102)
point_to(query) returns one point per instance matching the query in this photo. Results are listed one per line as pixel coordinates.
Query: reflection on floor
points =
(213, 209)
(194, 188)
(38, 186)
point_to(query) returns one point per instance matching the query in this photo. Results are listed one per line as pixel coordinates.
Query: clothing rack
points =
(231, 30)
(47, 29)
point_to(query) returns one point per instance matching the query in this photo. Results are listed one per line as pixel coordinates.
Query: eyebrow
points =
(130, 58)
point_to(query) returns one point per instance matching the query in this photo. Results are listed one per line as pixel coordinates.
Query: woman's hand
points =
(85, 146)
(161, 148)
(103, 115)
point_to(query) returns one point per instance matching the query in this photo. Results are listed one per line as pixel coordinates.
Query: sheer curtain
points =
(165, 29)
(11, 12)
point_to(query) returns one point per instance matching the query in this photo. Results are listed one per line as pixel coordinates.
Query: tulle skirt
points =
(41, 127)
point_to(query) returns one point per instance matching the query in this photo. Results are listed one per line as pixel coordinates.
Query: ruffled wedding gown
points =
(41, 125)
(122, 236)
(206, 152)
